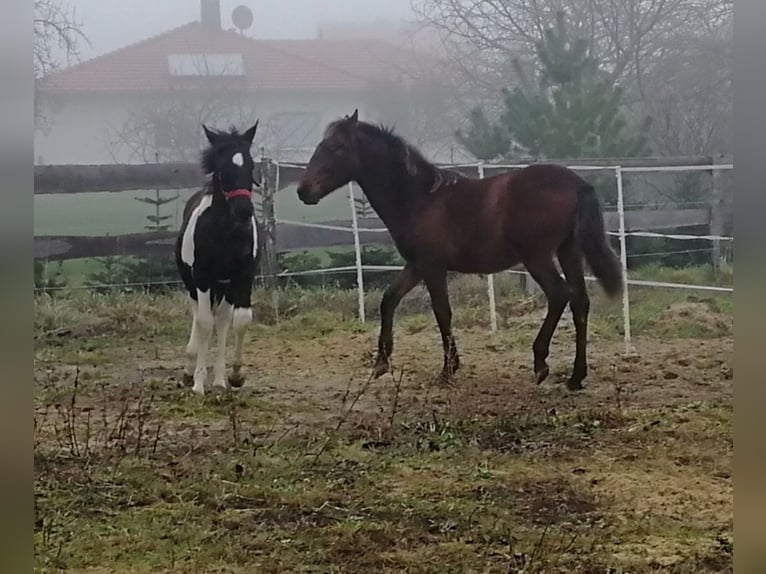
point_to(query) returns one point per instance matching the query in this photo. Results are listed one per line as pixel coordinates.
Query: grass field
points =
(77, 271)
(312, 468)
(120, 213)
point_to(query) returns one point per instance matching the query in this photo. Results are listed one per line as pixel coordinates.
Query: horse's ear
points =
(211, 136)
(354, 118)
(249, 135)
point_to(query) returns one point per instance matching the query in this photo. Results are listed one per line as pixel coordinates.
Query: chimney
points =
(210, 14)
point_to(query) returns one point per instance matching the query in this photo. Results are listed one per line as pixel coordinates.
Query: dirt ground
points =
(637, 467)
(310, 377)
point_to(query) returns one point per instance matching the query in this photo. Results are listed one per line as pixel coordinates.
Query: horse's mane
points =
(404, 153)
(225, 139)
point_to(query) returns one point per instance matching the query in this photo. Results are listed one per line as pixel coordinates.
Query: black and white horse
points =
(217, 253)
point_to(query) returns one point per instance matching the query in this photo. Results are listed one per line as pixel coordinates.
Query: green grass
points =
(653, 312)
(415, 505)
(120, 213)
(135, 475)
(689, 275)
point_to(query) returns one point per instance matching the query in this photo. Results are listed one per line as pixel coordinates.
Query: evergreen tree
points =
(148, 272)
(570, 110)
(152, 272)
(486, 141)
(45, 280)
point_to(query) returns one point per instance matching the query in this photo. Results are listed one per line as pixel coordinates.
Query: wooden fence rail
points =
(67, 179)
(118, 177)
(290, 236)
(123, 177)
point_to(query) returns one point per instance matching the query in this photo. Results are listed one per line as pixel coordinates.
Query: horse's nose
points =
(304, 192)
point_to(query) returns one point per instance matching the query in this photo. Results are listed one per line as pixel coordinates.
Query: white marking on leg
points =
(243, 316)
(204, 322)
(187, 243)
(223, 319)
(255, 236)
(191, 346)
(242, 319)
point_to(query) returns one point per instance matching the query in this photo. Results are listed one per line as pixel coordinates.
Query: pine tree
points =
(47, 281)
(156, 220)
(570, 110)
(483, 139)
(153, 272)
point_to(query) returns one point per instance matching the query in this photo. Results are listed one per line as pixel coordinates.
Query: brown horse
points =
(441, 221)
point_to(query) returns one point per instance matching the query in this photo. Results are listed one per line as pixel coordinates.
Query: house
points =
(145, 102)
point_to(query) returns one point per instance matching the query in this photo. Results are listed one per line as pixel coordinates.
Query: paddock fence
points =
(652, 208)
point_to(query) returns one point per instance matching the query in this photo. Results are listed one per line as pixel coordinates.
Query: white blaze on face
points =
(187, 243)
(238, 159)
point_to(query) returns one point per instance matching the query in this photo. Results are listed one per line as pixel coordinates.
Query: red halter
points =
(238, 193)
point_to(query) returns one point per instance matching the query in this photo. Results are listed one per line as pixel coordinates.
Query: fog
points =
(452, 110)
(110, 24)
(439, 75)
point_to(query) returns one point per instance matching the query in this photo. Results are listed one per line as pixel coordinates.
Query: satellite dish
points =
(242, 17)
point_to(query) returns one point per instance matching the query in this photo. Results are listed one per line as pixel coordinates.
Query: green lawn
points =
(119, 213)
(312, 468)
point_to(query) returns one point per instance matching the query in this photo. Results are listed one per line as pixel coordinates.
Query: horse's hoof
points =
(219, 391)
(574, 384)
(188, 380)
(380, 369)
(198, 390)
(542, 374)
(236, 382)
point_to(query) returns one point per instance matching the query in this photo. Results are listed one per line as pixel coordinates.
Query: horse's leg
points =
(191, 348)
(223, 315)
(556, 292)
(203, 321)
(437, 288)
(241, 294)
(402, 284)
(571, 263)
(243, 316)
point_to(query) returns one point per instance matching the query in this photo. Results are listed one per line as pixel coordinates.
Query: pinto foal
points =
(217, 253)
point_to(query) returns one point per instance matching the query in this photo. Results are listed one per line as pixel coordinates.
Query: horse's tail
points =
(591, 235)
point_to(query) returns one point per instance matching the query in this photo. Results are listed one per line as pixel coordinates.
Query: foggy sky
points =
(111, 24)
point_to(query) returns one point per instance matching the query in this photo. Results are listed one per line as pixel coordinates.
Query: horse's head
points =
(334, 163)
(229, 162)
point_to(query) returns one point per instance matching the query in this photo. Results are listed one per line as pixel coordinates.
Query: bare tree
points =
(423, 110)
(625, 35)
(649, 47)
(690, 97)
(168, 124)
(56, 33)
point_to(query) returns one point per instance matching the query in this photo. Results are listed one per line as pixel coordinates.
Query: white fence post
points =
(492, 310)
(358, 252)
(490, 279)
(623, 261)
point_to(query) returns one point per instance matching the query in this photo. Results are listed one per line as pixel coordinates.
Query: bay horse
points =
(441, 221)
(217, 253)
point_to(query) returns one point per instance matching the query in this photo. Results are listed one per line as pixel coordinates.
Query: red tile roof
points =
(269, 64)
